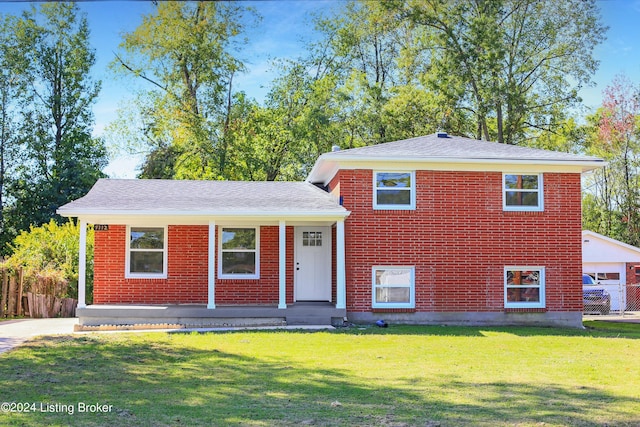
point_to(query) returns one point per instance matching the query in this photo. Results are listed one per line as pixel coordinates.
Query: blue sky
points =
(280, 34)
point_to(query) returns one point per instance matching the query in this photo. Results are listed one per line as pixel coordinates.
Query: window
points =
(394, 287)
(312, 238)
(394, 190)
(147, 252)
(239, 253)
(524, 287)
(608, 278)
(522, 192)
(611, 278)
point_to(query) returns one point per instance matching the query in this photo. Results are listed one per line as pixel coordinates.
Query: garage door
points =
(610, 277)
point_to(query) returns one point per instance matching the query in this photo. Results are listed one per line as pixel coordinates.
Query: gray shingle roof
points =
(124, 196)
(455, 147)
(446, 150)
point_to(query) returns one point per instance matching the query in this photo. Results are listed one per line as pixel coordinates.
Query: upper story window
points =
(522, 192)
(394, 190)
(239, 257)
(147, 252)
(524, 287)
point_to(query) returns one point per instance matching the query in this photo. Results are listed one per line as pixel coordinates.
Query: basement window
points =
(524, 287)
(393, 287)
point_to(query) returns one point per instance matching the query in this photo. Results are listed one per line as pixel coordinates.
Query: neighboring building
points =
(614, 267)
(435, 229)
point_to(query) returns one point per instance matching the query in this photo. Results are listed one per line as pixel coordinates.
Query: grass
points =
(400, 376)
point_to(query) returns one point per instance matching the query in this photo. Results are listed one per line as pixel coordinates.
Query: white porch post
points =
(82, 266)
(282, 252)
(341, 278)
(211, 279)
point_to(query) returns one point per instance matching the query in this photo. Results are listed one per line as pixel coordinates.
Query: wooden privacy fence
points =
(11, 303)
(41, 301)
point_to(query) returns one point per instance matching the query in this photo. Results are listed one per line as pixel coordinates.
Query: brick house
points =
(435, 229)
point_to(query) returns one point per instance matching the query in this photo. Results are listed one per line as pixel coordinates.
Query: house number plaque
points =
(101, 227)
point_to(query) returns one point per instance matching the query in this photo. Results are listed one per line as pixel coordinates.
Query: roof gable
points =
(598, 248)
(444, 149)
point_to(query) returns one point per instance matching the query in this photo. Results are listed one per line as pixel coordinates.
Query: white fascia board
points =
(325, 169)
(155, 218)
(206, 214)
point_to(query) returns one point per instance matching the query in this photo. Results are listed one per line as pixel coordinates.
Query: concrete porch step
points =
(311, 320)
(192, 315)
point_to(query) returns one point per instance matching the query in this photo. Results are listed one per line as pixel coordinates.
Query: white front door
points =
(313, 264)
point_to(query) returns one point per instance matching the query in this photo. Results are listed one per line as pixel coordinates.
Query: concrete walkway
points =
(15, 332)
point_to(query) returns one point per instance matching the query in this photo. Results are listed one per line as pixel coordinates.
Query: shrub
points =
(49, 254)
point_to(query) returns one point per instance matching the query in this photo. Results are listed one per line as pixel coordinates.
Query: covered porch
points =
(259, 253)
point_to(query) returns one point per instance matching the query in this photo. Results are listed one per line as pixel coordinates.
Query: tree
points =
(374, 61)
(355, 86)
(63, 159)
(612, 204)
(12, 87)
(284, 137)
(184, 52)
(512, 64)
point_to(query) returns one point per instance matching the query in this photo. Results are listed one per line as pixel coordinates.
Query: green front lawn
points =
(400, 376)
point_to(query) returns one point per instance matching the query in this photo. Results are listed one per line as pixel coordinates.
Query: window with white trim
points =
(393, 287)
(239, 255)
(524, 287)
(522, 192)
(146, 252)
(394, 190)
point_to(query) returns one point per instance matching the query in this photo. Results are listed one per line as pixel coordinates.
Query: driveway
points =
(629, 317)
(15, 332)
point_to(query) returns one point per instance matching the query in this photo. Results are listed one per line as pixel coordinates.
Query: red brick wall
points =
(187, 273)
(633, 290)
(459, 240)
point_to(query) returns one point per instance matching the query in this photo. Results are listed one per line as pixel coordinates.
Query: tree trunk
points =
(499, 120)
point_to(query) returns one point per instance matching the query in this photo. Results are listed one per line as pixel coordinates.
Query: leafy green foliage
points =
(612, 203)
(51, 251)
(512, 64)
(13, 86)
(184, 51)
(379, 71)
(58, 158)
(64, 159)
